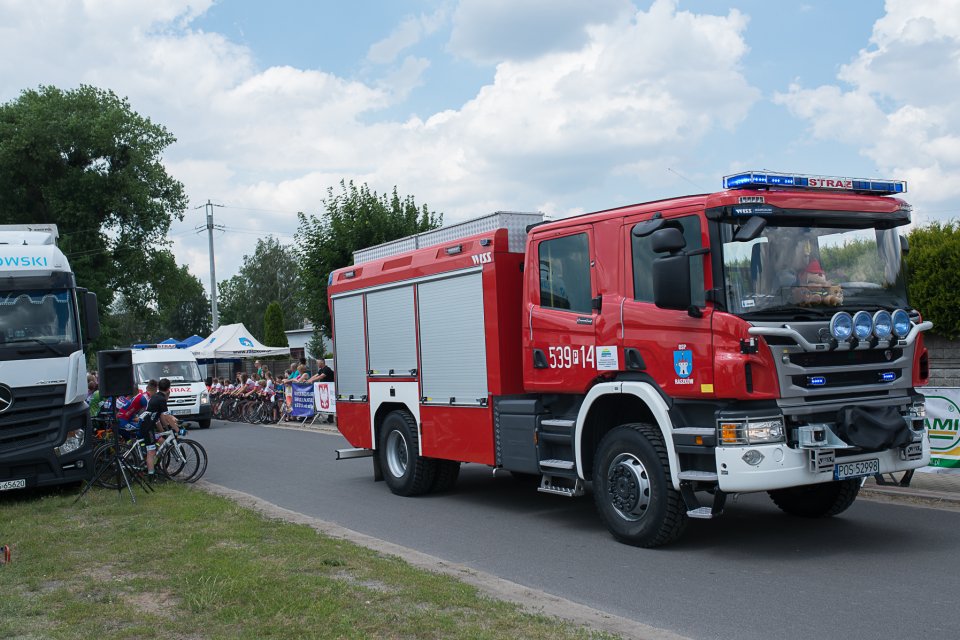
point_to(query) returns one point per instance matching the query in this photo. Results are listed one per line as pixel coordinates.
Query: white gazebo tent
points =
(234, 341)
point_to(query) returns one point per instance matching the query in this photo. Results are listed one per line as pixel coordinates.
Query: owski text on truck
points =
(668, 354)
(45, 436)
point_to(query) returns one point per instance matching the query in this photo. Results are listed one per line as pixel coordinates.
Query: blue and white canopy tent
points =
(234, 341)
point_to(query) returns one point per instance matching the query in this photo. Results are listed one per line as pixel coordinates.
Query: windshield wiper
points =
(38, 341)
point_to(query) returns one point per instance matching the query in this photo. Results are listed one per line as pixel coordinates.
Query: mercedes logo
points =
(6, 397)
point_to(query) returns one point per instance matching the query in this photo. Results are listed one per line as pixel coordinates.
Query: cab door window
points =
(643, 257)
(565, 273)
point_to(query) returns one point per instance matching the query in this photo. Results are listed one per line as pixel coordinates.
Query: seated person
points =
(814, 288)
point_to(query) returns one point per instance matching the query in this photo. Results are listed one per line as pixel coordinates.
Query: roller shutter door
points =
(452, 346)
(350, 346)
(393, 334)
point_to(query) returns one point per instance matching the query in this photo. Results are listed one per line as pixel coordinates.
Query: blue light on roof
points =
(759, 179)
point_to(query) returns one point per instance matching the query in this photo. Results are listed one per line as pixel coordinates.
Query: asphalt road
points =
(877, 571)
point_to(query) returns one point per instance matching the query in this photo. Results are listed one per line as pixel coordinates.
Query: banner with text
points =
(302, 400)
(324, 397)
(943, 423)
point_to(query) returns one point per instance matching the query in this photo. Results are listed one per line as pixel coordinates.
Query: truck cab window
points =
(565, 273)
(643, 257)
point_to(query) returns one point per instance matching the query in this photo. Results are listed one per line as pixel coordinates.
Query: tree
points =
(84, 160)
(273, 334)
(180, 308)
(355, 218)
(934, 263)
(270, 274)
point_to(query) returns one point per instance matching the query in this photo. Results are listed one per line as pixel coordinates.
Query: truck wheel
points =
(445, 477)
(632, 488)
(405, 471)
(203, 424)
(817, 500)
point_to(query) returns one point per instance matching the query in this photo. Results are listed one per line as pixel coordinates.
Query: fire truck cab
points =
(668, 354)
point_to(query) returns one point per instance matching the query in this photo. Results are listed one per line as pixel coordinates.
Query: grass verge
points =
(183, 564)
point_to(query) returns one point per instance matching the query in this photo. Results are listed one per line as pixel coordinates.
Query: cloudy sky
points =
(473, 106)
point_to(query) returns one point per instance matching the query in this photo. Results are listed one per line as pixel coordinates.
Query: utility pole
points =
(213, 271)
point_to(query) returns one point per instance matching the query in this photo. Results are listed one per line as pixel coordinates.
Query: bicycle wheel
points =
(105, 467)
(186, 461)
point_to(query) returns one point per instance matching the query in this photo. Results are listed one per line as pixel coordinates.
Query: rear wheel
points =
(405, 471)
(632, 488)
(817, 500)
(445, 478)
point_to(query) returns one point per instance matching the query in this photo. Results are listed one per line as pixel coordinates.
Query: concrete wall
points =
(944, 361)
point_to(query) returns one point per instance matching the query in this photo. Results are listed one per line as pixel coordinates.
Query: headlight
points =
(882, 324)
(750, 431)
(73, 442)
(862, 325)
(841, 326)
(901, 323)
(204, 398)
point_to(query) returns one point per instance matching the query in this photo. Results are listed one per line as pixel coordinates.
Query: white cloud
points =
(408, 33)
(626, 94)
(499, 30)
(901, 106)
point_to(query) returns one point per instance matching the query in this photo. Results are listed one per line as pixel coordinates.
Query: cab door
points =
(560, 327)
(671, 346)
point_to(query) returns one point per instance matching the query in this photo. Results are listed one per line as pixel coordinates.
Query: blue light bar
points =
(757, 180)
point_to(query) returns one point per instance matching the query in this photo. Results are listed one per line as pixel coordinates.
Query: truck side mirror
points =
(671, 273)
(91, 317)
(750, 229)
(904, 245)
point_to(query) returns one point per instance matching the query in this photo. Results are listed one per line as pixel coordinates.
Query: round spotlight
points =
(882, 324)
(841, 326)
(901, 323)
(862, 325)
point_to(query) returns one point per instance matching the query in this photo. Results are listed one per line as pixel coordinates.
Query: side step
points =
(694, 509)
(347, 454)
(557, 464)
(548, 485)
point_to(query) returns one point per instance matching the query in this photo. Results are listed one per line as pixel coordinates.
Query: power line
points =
(213, 272)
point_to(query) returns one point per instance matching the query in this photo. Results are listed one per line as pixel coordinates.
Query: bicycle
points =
(178, 459)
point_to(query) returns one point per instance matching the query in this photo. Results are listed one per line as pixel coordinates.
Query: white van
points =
(189, 399)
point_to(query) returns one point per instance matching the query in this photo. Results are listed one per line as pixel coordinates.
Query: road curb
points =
(530, 600)
(912, 497)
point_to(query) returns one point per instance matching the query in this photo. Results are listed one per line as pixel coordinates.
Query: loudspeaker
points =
(116, 372)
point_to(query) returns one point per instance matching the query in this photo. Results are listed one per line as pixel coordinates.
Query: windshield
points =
(45, 317)
(813, 269)
(183, 371)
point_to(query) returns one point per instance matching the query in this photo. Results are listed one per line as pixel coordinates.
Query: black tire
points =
(817, 500)
(405, 471)
(632, 488)
(104, 456)
(190, 467)
(203, 424)
(445, 478)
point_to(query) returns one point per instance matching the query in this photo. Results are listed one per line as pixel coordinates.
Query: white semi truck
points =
(45, 432)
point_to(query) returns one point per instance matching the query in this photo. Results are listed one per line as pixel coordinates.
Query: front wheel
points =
(405, 471)
(632, 488)
(203, 424)
(817, 500)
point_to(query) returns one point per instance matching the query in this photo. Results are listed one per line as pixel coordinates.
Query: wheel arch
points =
(609, 405)
(385, 409)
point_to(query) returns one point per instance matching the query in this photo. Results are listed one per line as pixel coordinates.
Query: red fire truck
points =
(669, 353)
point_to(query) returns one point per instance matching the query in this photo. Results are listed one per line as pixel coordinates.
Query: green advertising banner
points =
(943, 423)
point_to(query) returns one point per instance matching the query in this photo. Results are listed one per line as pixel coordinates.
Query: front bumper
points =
(38, 464)
(782, 467)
